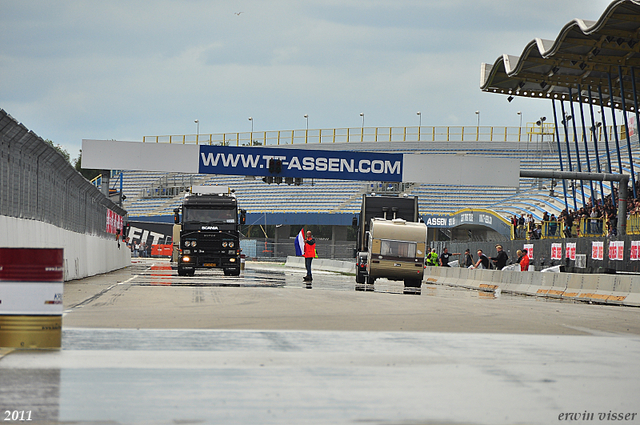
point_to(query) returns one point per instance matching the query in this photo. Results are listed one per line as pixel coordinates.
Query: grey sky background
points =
(126, 69)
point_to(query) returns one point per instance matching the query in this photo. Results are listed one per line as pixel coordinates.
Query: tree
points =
(86, 173)
(60, 149)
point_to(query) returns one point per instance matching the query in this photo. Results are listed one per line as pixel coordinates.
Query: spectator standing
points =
(500, 260)
(309, 254)
(483, 261)
(468, 258)
(432, 258)
(521, 227)
(524, 262)
(568, 224)
(553, 225)
(444, 257)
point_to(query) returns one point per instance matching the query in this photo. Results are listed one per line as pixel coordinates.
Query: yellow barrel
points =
(30, 331)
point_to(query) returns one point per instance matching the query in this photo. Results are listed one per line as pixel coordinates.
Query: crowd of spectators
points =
(598, 217)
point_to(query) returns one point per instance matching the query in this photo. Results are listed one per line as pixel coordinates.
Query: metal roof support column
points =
(564, 182)
(595, 140)
(566, 139)
(606, 140)
(615, 124)
(622, 178)
(635, 101)
(626, 126)
(575, 140)
(623, 195)
(586, 147)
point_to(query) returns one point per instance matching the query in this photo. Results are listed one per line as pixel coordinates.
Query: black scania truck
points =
(209, 231)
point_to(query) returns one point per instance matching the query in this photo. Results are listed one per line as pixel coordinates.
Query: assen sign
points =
(457, 169)
(340, 165)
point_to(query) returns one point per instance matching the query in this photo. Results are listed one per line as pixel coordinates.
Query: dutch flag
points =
(299, 243)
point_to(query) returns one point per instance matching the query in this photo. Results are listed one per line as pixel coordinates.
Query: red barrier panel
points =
(161, 250)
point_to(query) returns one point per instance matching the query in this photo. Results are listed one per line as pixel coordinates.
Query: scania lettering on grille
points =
(209, 228)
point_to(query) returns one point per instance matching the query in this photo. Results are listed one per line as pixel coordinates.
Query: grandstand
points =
(152, 196)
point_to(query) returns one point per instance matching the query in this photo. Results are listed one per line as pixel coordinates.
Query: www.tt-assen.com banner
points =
(344, 165)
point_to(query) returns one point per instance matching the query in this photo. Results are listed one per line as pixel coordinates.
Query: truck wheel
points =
(359, 277)
(181, 271)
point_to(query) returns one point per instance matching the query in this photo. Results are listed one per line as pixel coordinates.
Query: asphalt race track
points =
(142, 345)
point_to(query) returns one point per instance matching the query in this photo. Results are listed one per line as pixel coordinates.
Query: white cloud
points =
(126, 69)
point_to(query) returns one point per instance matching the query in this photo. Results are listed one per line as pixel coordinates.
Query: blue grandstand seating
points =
(330, 196)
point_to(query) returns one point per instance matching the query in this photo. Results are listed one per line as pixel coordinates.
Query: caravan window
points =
(397, 248)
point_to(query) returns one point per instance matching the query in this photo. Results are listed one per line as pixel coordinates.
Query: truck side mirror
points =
(176, 216)
(243, 216)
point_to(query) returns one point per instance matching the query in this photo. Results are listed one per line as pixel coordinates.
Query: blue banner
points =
(302, 163)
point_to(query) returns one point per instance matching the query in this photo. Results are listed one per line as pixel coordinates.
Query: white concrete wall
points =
(323, 264)
(616, 289)
(84, 255)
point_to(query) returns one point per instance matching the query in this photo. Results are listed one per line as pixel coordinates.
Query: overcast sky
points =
(126, 69)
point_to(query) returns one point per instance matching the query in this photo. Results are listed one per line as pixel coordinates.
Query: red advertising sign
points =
(635, 250)
(114, 222)
(556, 251)
(597, 250)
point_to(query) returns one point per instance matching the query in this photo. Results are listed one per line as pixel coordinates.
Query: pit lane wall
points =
(84, 255)
(599, 288)
(46, 203)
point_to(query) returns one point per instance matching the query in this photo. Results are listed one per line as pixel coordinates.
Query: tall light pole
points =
(478, 114)
(251, 135)
(362, 115)
(419, 114)
(520, 128)
(306, 117)
(362, 132)
(197, 129)
(540, 123)
(251, 119)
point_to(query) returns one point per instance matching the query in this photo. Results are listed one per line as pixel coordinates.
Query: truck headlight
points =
(194, 243)
(186, 259)
(224, 244)
(231, 244)
(187, 251)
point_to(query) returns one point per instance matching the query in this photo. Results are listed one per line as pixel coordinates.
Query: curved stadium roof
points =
(585, 54)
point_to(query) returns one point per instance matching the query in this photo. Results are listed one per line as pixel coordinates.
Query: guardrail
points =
(584, 227)
(530, 133)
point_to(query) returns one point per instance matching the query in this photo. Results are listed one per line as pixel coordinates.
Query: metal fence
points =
(266, 249)
(37, 183)
(529, 133)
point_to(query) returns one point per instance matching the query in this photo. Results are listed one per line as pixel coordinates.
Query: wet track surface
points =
(146, 346)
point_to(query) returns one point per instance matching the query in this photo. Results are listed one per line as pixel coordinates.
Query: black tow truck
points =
(209, 231)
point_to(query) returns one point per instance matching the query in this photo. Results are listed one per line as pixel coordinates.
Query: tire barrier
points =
(596, 288)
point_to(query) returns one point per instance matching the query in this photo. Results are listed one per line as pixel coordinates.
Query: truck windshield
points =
(398, 248)
(202, 215)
